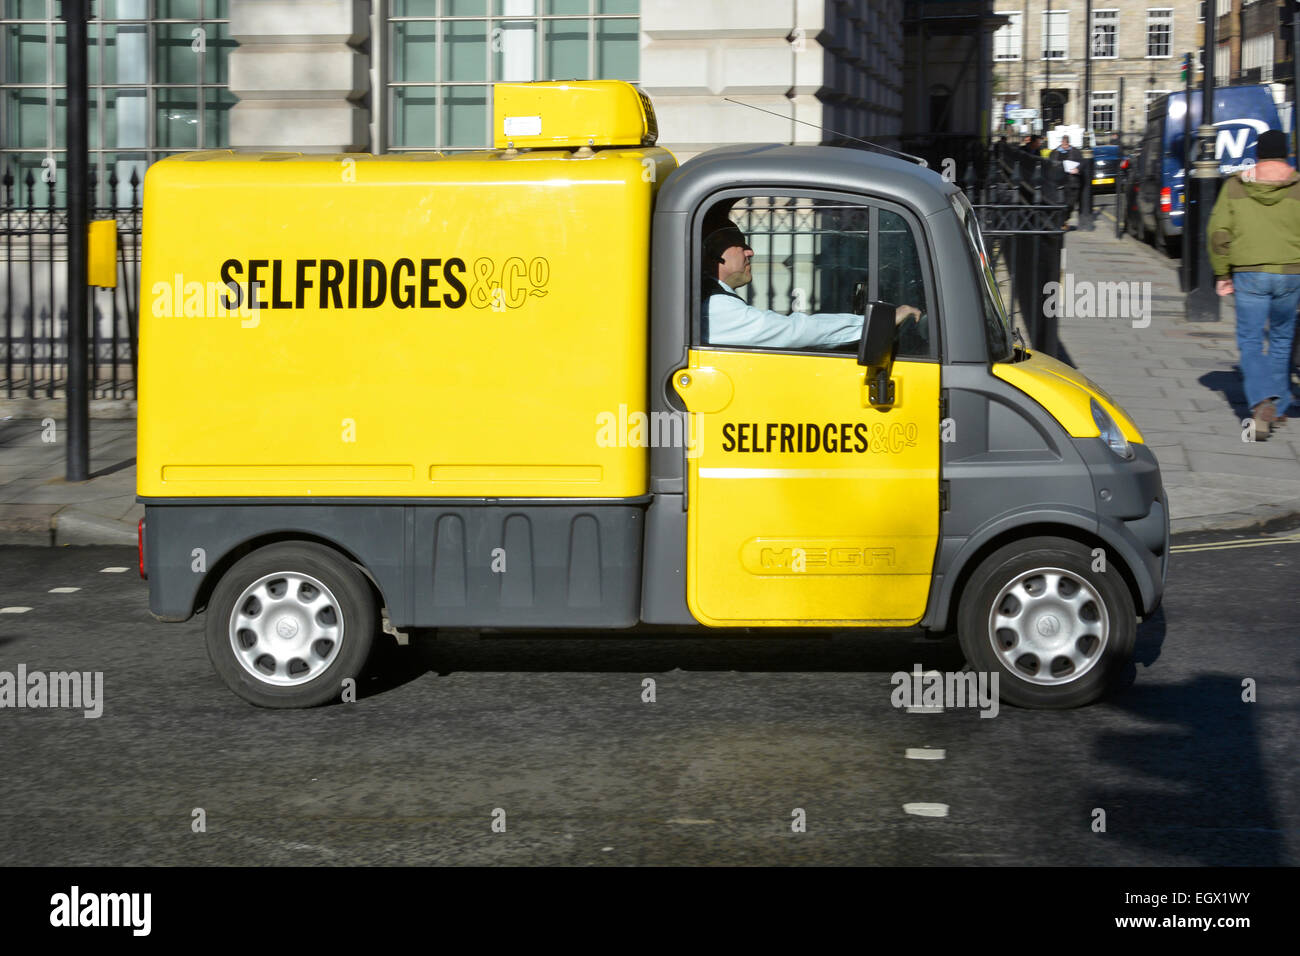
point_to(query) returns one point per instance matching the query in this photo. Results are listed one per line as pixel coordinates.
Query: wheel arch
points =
(1080, 528)
(249, 545)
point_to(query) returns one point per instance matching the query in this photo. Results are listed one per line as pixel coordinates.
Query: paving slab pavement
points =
(38, 505)
(1181, 383)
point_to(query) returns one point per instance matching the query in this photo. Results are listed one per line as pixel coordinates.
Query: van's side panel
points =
(427, 326)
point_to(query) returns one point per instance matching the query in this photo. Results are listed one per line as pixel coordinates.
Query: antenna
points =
(883, 149)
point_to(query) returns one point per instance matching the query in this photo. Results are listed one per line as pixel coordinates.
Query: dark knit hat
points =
(1272, 145)
(720, 240)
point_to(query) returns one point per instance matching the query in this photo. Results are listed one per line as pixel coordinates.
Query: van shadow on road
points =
(652, 652)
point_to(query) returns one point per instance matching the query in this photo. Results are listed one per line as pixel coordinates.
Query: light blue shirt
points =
(733, 322)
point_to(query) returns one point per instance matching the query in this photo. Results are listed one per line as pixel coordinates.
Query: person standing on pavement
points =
(1254, 244)
(1071, 160)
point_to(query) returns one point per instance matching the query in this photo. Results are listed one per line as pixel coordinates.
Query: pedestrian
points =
(1071, 160)
(1254, 244)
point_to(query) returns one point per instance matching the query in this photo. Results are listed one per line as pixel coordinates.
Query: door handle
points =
(704, 389)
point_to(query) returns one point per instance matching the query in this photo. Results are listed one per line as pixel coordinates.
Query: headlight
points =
(1110, 432)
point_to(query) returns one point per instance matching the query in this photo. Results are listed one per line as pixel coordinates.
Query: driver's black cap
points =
(720, 240)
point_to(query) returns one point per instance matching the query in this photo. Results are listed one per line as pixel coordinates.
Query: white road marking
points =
(63, 590)
(1231, 545)
(925, 753)
(14, 610)
(926, 809)
(111, 570)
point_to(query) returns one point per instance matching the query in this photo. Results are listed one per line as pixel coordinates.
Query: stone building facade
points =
(1137, 54)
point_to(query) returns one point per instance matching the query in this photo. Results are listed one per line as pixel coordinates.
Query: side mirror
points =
(876, 350)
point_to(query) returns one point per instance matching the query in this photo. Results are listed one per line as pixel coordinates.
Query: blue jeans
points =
(1266, 311)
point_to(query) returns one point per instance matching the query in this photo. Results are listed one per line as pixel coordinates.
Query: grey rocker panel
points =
(565, 564)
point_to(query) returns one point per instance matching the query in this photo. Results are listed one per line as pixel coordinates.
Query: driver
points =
(732, 321)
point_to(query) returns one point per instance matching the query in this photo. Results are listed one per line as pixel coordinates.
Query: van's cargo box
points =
(415, 325)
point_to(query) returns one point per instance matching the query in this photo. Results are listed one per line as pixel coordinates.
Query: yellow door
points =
(807, 505)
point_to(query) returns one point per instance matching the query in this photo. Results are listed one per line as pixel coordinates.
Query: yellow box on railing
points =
(101, 253)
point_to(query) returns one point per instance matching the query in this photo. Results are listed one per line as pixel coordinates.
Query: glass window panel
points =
(25, 53)
(60, 53)
(26, 10)
(130, 110)
(216, 60)
(176, 119)
(465, 8)
(464, 116)
(415, 116)
(1006, 41)
(618, 50)
(174, 59)
(217, 8)
(123, 9)
(126, 57)
(216, 117)
(414, 8)
(562, 7)
(25, 118)
(514, 50)
(414, 51)
(93, 118)
(618, 6)
(60, 118)
(464, 50)
(566, 50)
(178, 10)
(94, 60)
(515, 8)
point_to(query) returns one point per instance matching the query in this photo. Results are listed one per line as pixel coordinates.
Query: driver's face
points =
(735, 269)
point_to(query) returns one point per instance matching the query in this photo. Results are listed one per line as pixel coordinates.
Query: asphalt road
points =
(743, 732)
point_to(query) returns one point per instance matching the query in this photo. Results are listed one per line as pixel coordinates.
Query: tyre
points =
(1056, 632)
(287, 624)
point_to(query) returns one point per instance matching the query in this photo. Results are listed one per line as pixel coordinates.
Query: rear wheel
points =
(289, 623)
(1056, 632)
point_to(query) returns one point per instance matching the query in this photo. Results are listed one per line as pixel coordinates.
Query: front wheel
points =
(1056, 632)
(289, 623)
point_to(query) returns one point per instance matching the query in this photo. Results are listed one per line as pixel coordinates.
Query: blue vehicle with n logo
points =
(1156, 192)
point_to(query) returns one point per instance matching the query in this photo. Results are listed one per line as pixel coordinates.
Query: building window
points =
(1151, 97)
(157, 85)
(444, 56)
(1160, 31)
(1103, 111)
(1105, 28)
(1056, 38)
(1257, 54)
(1007, 41)
(1222, 8)
(1222, 63)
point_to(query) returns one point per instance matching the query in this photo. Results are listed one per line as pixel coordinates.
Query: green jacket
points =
(1255, 227)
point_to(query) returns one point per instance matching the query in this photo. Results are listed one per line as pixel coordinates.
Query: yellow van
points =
(564, 384)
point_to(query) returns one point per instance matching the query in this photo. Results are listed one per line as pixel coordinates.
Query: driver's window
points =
(790, 273)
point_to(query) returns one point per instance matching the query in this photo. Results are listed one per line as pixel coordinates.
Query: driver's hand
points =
(905, 311)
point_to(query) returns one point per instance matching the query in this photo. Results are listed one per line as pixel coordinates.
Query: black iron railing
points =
(33, 239)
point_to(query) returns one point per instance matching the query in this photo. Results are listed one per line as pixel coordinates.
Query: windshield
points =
(997, 327)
